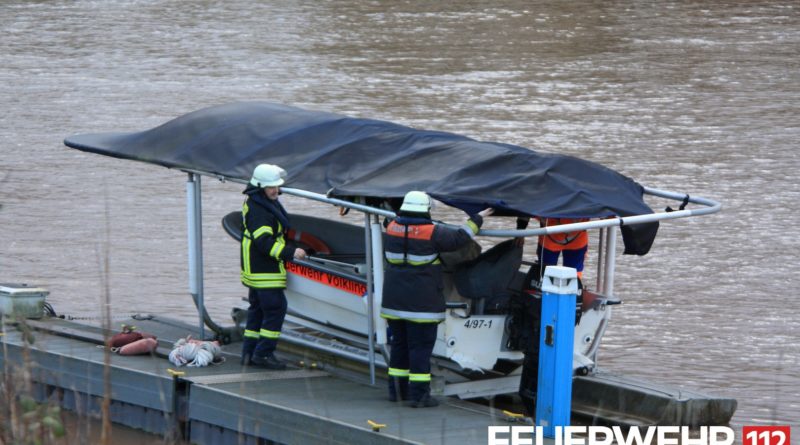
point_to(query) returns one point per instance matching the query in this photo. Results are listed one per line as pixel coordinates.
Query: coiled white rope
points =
(195, 353)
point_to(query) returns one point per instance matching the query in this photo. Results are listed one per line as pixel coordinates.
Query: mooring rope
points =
(195, 353)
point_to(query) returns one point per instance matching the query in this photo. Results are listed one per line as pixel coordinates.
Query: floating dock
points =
(228, 403)
(317, 400)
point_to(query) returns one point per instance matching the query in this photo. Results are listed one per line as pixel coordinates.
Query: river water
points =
(697, 97)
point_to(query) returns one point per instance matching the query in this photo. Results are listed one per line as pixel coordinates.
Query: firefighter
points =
(571, 245)
(263, 253)
(413, 302)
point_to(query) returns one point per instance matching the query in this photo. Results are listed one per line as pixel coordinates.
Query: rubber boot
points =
(268, 361)
(528, 402)
(427, 401)
(398, 386)
(420, 395)
(248, 346)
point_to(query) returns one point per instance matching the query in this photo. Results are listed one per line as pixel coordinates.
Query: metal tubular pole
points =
(600, 258)
(340, 202)
(377, 270)
(193, 214)
(611, 259)
(198, 220)
(192, 238)
(370, 298)
(710, 206)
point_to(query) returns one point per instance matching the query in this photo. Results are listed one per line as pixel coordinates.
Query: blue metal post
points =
(554, 390)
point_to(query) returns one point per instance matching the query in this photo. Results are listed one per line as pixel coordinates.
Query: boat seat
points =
(488, 279)
(232, 223)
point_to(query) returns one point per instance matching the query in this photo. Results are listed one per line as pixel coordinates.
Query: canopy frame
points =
(374, 245)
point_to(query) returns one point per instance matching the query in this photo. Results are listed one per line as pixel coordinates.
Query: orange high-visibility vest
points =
(564, 241)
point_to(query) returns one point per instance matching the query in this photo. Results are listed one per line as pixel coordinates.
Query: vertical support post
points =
(611, 259)
(554, 393)
(377, 280)
(370, 298)
(190, 228)
(601, 258)
(194, 223)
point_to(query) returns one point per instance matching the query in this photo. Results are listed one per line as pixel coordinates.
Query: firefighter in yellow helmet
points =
(263, 253)
(413, 303)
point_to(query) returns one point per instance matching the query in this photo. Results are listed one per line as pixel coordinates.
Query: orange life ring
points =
(307, 239)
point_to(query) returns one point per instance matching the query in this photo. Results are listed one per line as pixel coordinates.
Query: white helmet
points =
(267, 175)
(417, 202)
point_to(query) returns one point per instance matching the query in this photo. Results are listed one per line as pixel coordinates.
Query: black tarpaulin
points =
(351, 157)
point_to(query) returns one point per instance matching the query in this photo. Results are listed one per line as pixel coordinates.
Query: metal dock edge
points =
(228, 403)
(71, 374)
(210, 412)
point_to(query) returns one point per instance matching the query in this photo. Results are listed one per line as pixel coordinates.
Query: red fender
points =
(142, 346)
(307, 239)
(123, 338)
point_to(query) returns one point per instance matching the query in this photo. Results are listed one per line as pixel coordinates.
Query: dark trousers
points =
(412, 345)
(264, 315)
(530, 318)
(572, 258)
(528, 383)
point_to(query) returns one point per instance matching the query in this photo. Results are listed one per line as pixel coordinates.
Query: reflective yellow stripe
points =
(264, 277)
(273, 277)
(419, 258)
(473, 227)
(419, 317)
(413, 263)
(414, 320)
(270, 334)
(246, 255)
(419, 377)
(394, 372)
(245, 240)
(250, 334)
(264, 284)
(277, 248)
(262, 230)
(267, 276)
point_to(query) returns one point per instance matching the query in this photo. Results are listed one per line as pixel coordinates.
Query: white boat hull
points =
(474, 342)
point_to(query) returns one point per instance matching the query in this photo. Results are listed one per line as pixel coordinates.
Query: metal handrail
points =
(710, 206)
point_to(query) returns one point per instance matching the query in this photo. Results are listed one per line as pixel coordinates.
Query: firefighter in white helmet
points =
(263, 252)
(413, 303)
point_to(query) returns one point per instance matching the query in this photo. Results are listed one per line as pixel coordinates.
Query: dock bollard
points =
(554, 390)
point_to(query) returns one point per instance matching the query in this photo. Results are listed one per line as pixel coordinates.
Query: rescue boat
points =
(367, 166)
